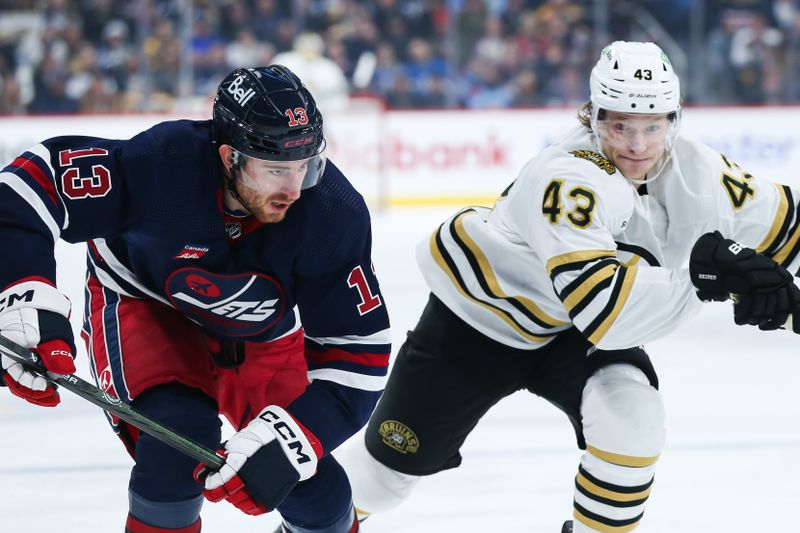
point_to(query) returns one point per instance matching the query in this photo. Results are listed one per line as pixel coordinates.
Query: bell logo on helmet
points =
(239, 94)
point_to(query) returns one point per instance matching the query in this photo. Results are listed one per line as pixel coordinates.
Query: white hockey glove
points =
(263, 462)
(35, 315)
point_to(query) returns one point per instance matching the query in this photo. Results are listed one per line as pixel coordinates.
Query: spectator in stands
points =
(323, 77)
(750, 45)
(50, 88)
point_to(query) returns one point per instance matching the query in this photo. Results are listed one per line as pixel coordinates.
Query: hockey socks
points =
(611, 497)
(137, 526)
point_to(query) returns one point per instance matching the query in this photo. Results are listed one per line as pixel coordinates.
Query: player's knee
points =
(622, 413)
(185, 409)
(376, 487)
(147, 516)
(162, 473)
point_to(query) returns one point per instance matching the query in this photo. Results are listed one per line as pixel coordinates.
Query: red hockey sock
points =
(136, 526)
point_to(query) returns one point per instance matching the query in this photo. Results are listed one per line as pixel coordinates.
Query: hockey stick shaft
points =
(113, 405)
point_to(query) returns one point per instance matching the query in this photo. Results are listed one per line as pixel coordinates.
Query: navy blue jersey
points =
(150, 209)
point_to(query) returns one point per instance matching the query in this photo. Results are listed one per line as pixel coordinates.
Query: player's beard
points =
(267, 208)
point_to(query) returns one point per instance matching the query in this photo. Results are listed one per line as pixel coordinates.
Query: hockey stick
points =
(113, 405)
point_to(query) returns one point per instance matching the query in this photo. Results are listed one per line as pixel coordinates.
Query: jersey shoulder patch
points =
(597, 159)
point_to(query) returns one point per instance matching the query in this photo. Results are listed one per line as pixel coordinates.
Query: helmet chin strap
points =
(230, 184)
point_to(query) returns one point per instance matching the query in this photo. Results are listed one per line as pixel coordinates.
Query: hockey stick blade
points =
(113, 405)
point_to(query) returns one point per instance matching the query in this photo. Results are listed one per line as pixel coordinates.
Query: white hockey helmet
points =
(634, 77)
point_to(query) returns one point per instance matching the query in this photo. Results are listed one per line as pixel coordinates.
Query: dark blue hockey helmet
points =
(267, 113)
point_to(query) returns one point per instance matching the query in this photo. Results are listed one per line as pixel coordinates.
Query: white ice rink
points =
(730, 464)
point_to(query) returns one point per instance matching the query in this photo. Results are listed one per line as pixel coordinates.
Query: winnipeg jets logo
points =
(235, 305)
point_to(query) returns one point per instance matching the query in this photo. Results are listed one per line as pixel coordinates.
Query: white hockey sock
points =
(611, 496)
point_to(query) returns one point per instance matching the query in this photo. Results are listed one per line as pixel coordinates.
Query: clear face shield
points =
(269, 177)
(639, 144)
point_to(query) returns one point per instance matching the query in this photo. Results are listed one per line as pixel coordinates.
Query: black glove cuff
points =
(55, 326)
(266, 480)
(703, 270)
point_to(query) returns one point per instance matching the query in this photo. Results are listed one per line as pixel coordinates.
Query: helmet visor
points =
(268, 176)
(637, 131)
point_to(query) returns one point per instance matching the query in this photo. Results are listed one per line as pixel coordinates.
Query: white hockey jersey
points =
(572, 242)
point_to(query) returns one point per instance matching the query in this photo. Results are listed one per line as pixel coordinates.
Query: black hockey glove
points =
(720, 267)
(771, 310)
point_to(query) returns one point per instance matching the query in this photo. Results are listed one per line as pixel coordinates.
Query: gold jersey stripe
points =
(610, 494)
(621, 298)
(489, 277)
(780, 219)
(622, 460)
(439, 258)
(586, 287)
(577, 257)
(783, 252)
(603, 528)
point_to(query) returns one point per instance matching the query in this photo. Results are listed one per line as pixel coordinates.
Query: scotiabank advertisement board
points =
(437, 157)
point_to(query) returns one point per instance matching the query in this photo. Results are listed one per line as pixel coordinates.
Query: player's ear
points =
(227, 155)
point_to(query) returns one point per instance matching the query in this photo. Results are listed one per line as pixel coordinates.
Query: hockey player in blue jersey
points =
(229, 272)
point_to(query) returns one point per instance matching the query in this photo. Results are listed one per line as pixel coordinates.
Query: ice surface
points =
(729, 464)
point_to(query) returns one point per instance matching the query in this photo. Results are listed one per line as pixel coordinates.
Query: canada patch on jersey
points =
(234, 305)
(597, 159)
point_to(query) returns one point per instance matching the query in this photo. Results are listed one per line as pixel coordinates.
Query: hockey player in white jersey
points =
(608, 239)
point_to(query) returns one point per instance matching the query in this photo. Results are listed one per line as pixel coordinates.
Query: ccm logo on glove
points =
(12, 299)
(291, 439)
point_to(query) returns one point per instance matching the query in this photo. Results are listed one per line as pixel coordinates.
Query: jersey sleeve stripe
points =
(639, 252)
(41, 155)
(575, 260)
(783, 217)
(578, 290)
(24, 190)
(619, 295)
(38, 185)
(25, 163)
(442, 258)
(785, 253)
(349, 379)
(356, 368)
(583, 304)
(382, 337)
(321, 357)
(487, 279)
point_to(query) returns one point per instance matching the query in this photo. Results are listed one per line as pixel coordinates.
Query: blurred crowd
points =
(108, 56)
